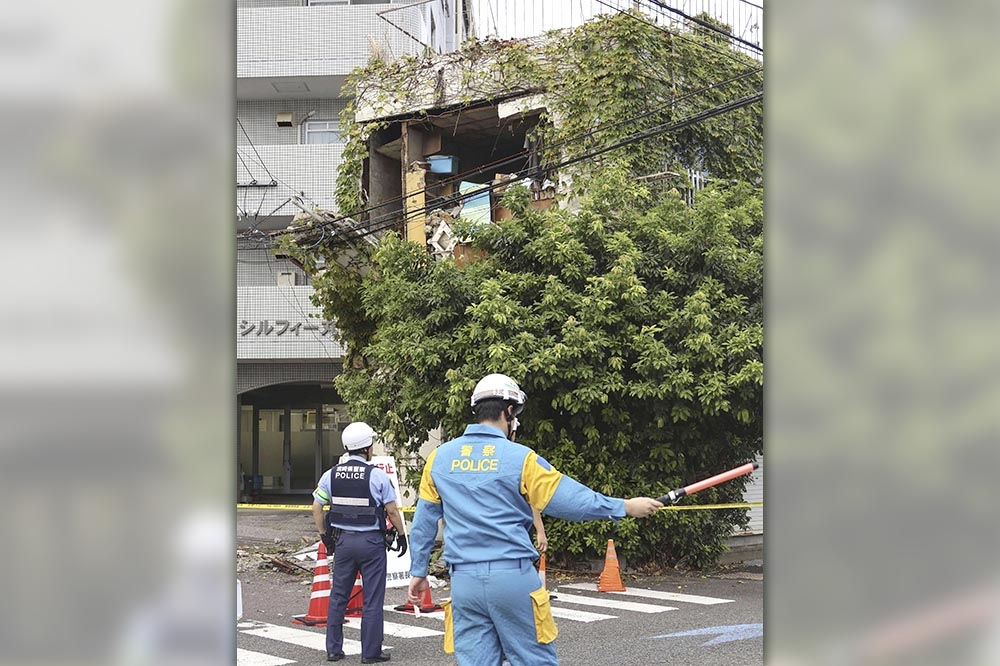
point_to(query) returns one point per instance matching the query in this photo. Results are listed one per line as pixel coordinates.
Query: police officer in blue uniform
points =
(484, 486)
(361, 497)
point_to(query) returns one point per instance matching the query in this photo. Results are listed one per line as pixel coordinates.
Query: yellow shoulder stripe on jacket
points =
(428, 491)
(539, 480)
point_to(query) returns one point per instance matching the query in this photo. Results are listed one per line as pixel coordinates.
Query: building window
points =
(321, 131)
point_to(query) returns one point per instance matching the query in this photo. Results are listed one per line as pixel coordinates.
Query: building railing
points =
(526, 18)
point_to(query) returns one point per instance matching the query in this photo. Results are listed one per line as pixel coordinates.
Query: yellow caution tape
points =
(692, 507)
(411, 509)
(301, 507)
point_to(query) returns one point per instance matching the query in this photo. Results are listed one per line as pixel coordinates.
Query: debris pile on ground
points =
(269, 558)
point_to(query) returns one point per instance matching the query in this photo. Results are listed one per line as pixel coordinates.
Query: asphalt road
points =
(596, 628)
(623, 637)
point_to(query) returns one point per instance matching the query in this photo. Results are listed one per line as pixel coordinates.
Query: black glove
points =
(401, 544)
(390, 538)
(395, 540)
(329, 542)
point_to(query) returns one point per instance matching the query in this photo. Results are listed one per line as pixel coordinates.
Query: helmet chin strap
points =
(508, 413)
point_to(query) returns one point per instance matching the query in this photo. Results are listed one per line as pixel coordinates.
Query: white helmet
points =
(357, 435)
(498, 386)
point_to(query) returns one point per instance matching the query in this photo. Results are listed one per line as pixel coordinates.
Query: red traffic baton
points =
(674, 495)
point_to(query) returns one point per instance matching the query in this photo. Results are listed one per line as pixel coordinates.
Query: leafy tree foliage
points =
(636, 334)
(633, 322)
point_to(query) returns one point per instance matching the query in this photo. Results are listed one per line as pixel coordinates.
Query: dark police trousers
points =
(364, 552)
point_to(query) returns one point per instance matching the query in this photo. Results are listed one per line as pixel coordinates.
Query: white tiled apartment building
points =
(293, 57)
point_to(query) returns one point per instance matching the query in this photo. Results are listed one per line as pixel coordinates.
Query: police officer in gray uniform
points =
(360, 496)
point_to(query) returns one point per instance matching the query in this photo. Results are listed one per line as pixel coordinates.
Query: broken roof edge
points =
(506, 106)
(480, 74)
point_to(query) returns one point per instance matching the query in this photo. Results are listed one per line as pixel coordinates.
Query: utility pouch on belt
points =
(545, 626)
(449, 627)
(333, 534)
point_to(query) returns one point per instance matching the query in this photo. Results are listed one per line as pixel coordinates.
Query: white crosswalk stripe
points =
(400, 630)
(653, 594)
(611, 603)
(578, 615)
(251, 658)
(426, 624)
(301, 637)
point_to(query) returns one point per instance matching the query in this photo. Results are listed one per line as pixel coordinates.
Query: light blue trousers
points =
(492, 612)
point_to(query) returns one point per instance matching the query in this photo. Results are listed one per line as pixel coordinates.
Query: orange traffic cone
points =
(426, 606)
(319, 598)
(611, 579)
(356, 602)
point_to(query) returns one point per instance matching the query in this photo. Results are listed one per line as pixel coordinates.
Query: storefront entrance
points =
(288, 436)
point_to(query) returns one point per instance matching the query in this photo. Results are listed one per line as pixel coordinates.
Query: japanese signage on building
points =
(279, 327)
(282, 323)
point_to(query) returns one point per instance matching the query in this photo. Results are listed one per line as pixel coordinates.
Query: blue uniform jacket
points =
(481, 484)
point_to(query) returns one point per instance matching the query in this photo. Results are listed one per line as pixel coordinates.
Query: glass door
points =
(272, 452)
(293, 447)
(304, 451)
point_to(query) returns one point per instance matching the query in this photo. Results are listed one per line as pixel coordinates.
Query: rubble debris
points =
(288, 566)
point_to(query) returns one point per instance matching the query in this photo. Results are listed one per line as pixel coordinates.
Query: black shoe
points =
(335, 657)
(385, 656)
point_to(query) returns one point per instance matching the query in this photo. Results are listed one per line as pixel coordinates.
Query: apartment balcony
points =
(271, 175)
(307, 52)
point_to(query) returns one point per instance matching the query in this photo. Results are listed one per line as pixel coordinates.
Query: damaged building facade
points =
(445, 141)
(437, 156)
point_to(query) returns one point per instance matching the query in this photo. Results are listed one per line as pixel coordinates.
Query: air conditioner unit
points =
(286, 279)
(285, 119)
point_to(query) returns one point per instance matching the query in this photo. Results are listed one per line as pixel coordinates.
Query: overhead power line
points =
(707, 25)
(646, 134)
(670, 127)
(680, 34)
(268, 171)
(519, 156)
(523, 154)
